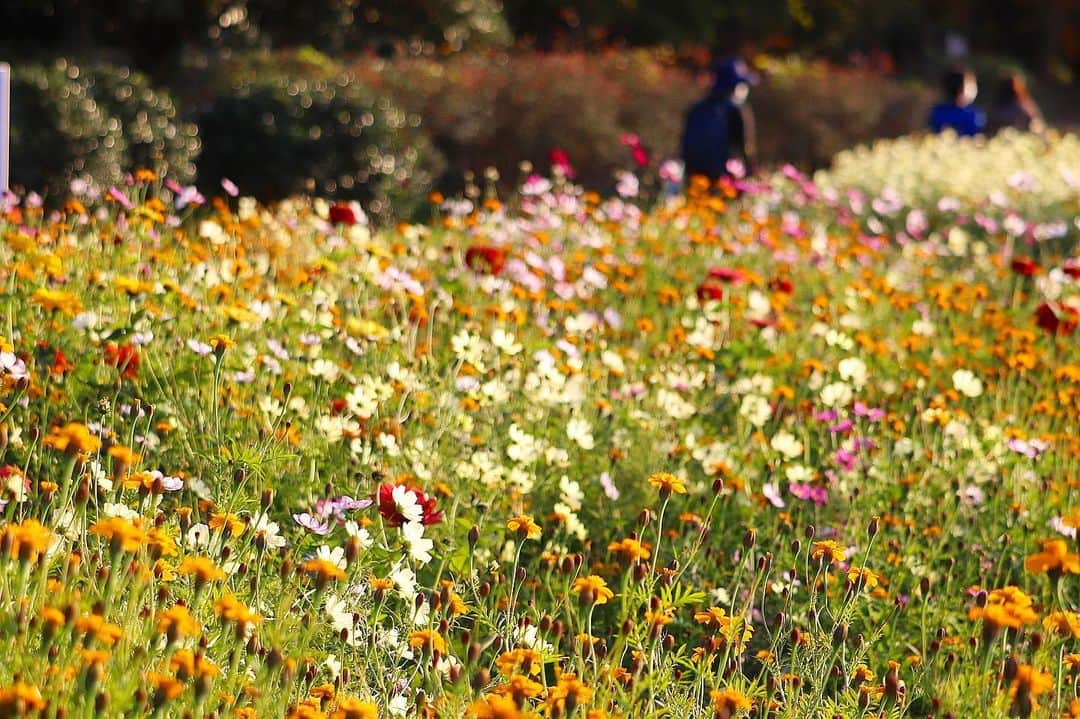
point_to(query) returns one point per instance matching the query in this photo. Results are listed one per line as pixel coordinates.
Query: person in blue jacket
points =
(956, 111)
(720, 127)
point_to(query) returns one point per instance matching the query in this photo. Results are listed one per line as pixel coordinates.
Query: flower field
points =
(785, 448)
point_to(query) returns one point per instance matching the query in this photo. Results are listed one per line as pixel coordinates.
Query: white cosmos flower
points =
(966, 383)
(335, 555)
(755, 409)
(786, 444)
(406, 504)
(853, 370)
(579, 430)
(505, 342)
(419, 546)
(837, 394)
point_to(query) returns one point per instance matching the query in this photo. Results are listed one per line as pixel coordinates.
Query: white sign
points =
(5, 124)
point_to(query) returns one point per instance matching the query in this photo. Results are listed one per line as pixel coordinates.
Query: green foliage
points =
(275, 137)
(95, 123)
(59, 131)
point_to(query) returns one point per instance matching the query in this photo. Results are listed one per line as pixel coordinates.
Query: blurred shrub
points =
(59, 131)
(93, 123)
(156, 136)
(275, 136)
(497, 111)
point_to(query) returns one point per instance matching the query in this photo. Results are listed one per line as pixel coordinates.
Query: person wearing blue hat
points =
(956, 111)
(720, 128)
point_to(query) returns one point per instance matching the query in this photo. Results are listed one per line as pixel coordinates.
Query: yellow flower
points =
(1063, 624)
(352, 708)
(528, 661)
(19, 699)
(1055, 559)
(72, 437)
(1026, 686)
(667, 483)
(427, 639)
(232, 522)
(729, 702)
(568, 694)
(592, 590)
(633, 549)
(494, 707)
(122, 534)
(176, 621)
(28, 539)
(323, 569)
(828, 550)
(58, 300)
(524, 526)
(202, 568)
(862, 578)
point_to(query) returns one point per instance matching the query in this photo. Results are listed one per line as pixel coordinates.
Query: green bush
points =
(95, 123)
(278, 137)
(157, 137)
(59, 131)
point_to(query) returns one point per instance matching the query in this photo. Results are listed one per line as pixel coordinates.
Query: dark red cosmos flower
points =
(1062, 321)
(388, 507)
(710, 289)
(783, 285)
(1024, 266)
(728, 275)
(342, 214)
(561, 160)
(485, 258)
(338, 407)
(1072, 268)
(124, 358)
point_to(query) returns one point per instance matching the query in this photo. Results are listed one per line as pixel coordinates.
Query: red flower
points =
(561, 160)
(1024, 266)
(123, 357)
(1063, 321)
(61, 364)
(389, 510)
(728, 275)
(485, 258)
(641, 158)
(710, 290)
(341, 214)
(782, 284)
(1072, 268)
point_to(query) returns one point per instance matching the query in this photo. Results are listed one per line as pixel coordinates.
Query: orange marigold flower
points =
(232, 609)
(122, 534)
(1055, 559)
(524, 526)
(592, 590)
(667, 483)
(495, 706)
(1063, 624)
(28, 539)
(1026, 686)
(427, 639)
(528, 661)
(57, 300)
(1006, 607)
(729, 702)
(20, 698)
(323, 569)
(567, 694)
(230, 522)
(202, 568)
(165, 686)
(176, 621)
(95, 624)
(829, 551)
(72, 437)
(632, 549)
(353, 708)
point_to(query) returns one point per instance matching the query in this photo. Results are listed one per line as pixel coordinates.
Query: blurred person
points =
(1014, 107)
(956, 111)
(720, 128)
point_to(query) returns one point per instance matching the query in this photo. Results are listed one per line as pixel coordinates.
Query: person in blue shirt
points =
(720, 127)
(956, 111)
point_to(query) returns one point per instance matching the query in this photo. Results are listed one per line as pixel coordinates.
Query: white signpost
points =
(5, 124)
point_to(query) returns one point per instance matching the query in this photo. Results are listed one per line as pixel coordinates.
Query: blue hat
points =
(730, 73)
